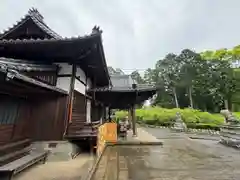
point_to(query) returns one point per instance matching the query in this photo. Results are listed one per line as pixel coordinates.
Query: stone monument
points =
(179, 125)
(230, 132)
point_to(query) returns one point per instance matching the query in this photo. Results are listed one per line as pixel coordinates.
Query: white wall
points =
(64, 82)
(81, 74)
(65, 68)
(79, 86)
(89, 83)
(88, 111)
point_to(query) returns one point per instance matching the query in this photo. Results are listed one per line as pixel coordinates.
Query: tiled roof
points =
(22, 41)
(124, 83)
(21, 65)
(37, 18)
(13, 74)
(124, 89)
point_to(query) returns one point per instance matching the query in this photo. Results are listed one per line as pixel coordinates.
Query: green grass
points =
(165, 117)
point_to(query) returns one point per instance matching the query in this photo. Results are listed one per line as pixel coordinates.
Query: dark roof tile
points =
(21, 65)
(37, 19)
(13, 74)
(123, 83)
(46, 40)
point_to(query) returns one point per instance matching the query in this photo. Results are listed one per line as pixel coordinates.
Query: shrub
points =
(166, 117)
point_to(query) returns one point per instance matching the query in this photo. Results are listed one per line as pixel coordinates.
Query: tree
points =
(168, 69)
(116, 71)
(137, 77)
(189, 64)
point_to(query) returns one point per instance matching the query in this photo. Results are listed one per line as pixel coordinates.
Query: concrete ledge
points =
(203, 138)
(134, 143)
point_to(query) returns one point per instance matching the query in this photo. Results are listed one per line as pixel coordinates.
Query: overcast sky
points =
(136, 33)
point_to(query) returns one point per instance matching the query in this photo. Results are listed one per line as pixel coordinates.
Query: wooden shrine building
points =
(44, 80)
(54, 88)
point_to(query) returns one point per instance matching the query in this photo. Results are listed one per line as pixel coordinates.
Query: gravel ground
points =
(178, 159)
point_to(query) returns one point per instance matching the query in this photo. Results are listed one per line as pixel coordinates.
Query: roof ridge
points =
(37, 18)
(3, 41)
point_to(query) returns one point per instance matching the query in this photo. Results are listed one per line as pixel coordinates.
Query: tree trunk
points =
(226, 104)
(233, 107)
(190, 96)
(175, 97)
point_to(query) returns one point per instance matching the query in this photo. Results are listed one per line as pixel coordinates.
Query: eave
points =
(87, 51)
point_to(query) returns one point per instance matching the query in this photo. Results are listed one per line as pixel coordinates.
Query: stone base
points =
(58, 150)
(178, 129)
(230, 143)
(230, 136)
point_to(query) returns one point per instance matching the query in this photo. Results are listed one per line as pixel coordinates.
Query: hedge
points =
(166, 117)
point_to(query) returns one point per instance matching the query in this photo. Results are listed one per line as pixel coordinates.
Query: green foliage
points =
(137, 77)
(121, 114)
(203, 81)
(166, 117)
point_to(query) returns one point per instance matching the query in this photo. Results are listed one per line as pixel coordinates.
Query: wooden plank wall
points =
(48, 118)
(18, 130)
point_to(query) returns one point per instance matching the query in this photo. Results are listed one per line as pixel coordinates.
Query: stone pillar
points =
(230, 132)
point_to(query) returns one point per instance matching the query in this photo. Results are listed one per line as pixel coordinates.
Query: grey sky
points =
(136, 33)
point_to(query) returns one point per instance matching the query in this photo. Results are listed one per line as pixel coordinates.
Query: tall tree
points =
(169, 70)
(137, 77)
(189, 65)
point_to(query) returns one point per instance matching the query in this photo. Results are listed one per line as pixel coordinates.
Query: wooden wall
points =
(40, 119)
(48, 118)
(18, 129)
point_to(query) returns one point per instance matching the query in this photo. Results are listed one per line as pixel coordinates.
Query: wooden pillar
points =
(70, 98)
(71, 92)
(133, 120)
(109, 114)
(130, 118)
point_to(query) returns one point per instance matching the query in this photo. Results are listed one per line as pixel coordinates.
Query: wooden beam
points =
(78, 78)
(71, 92)
(64, 75)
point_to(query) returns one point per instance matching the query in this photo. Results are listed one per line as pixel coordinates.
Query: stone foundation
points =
(58, 150)
(230, 136)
